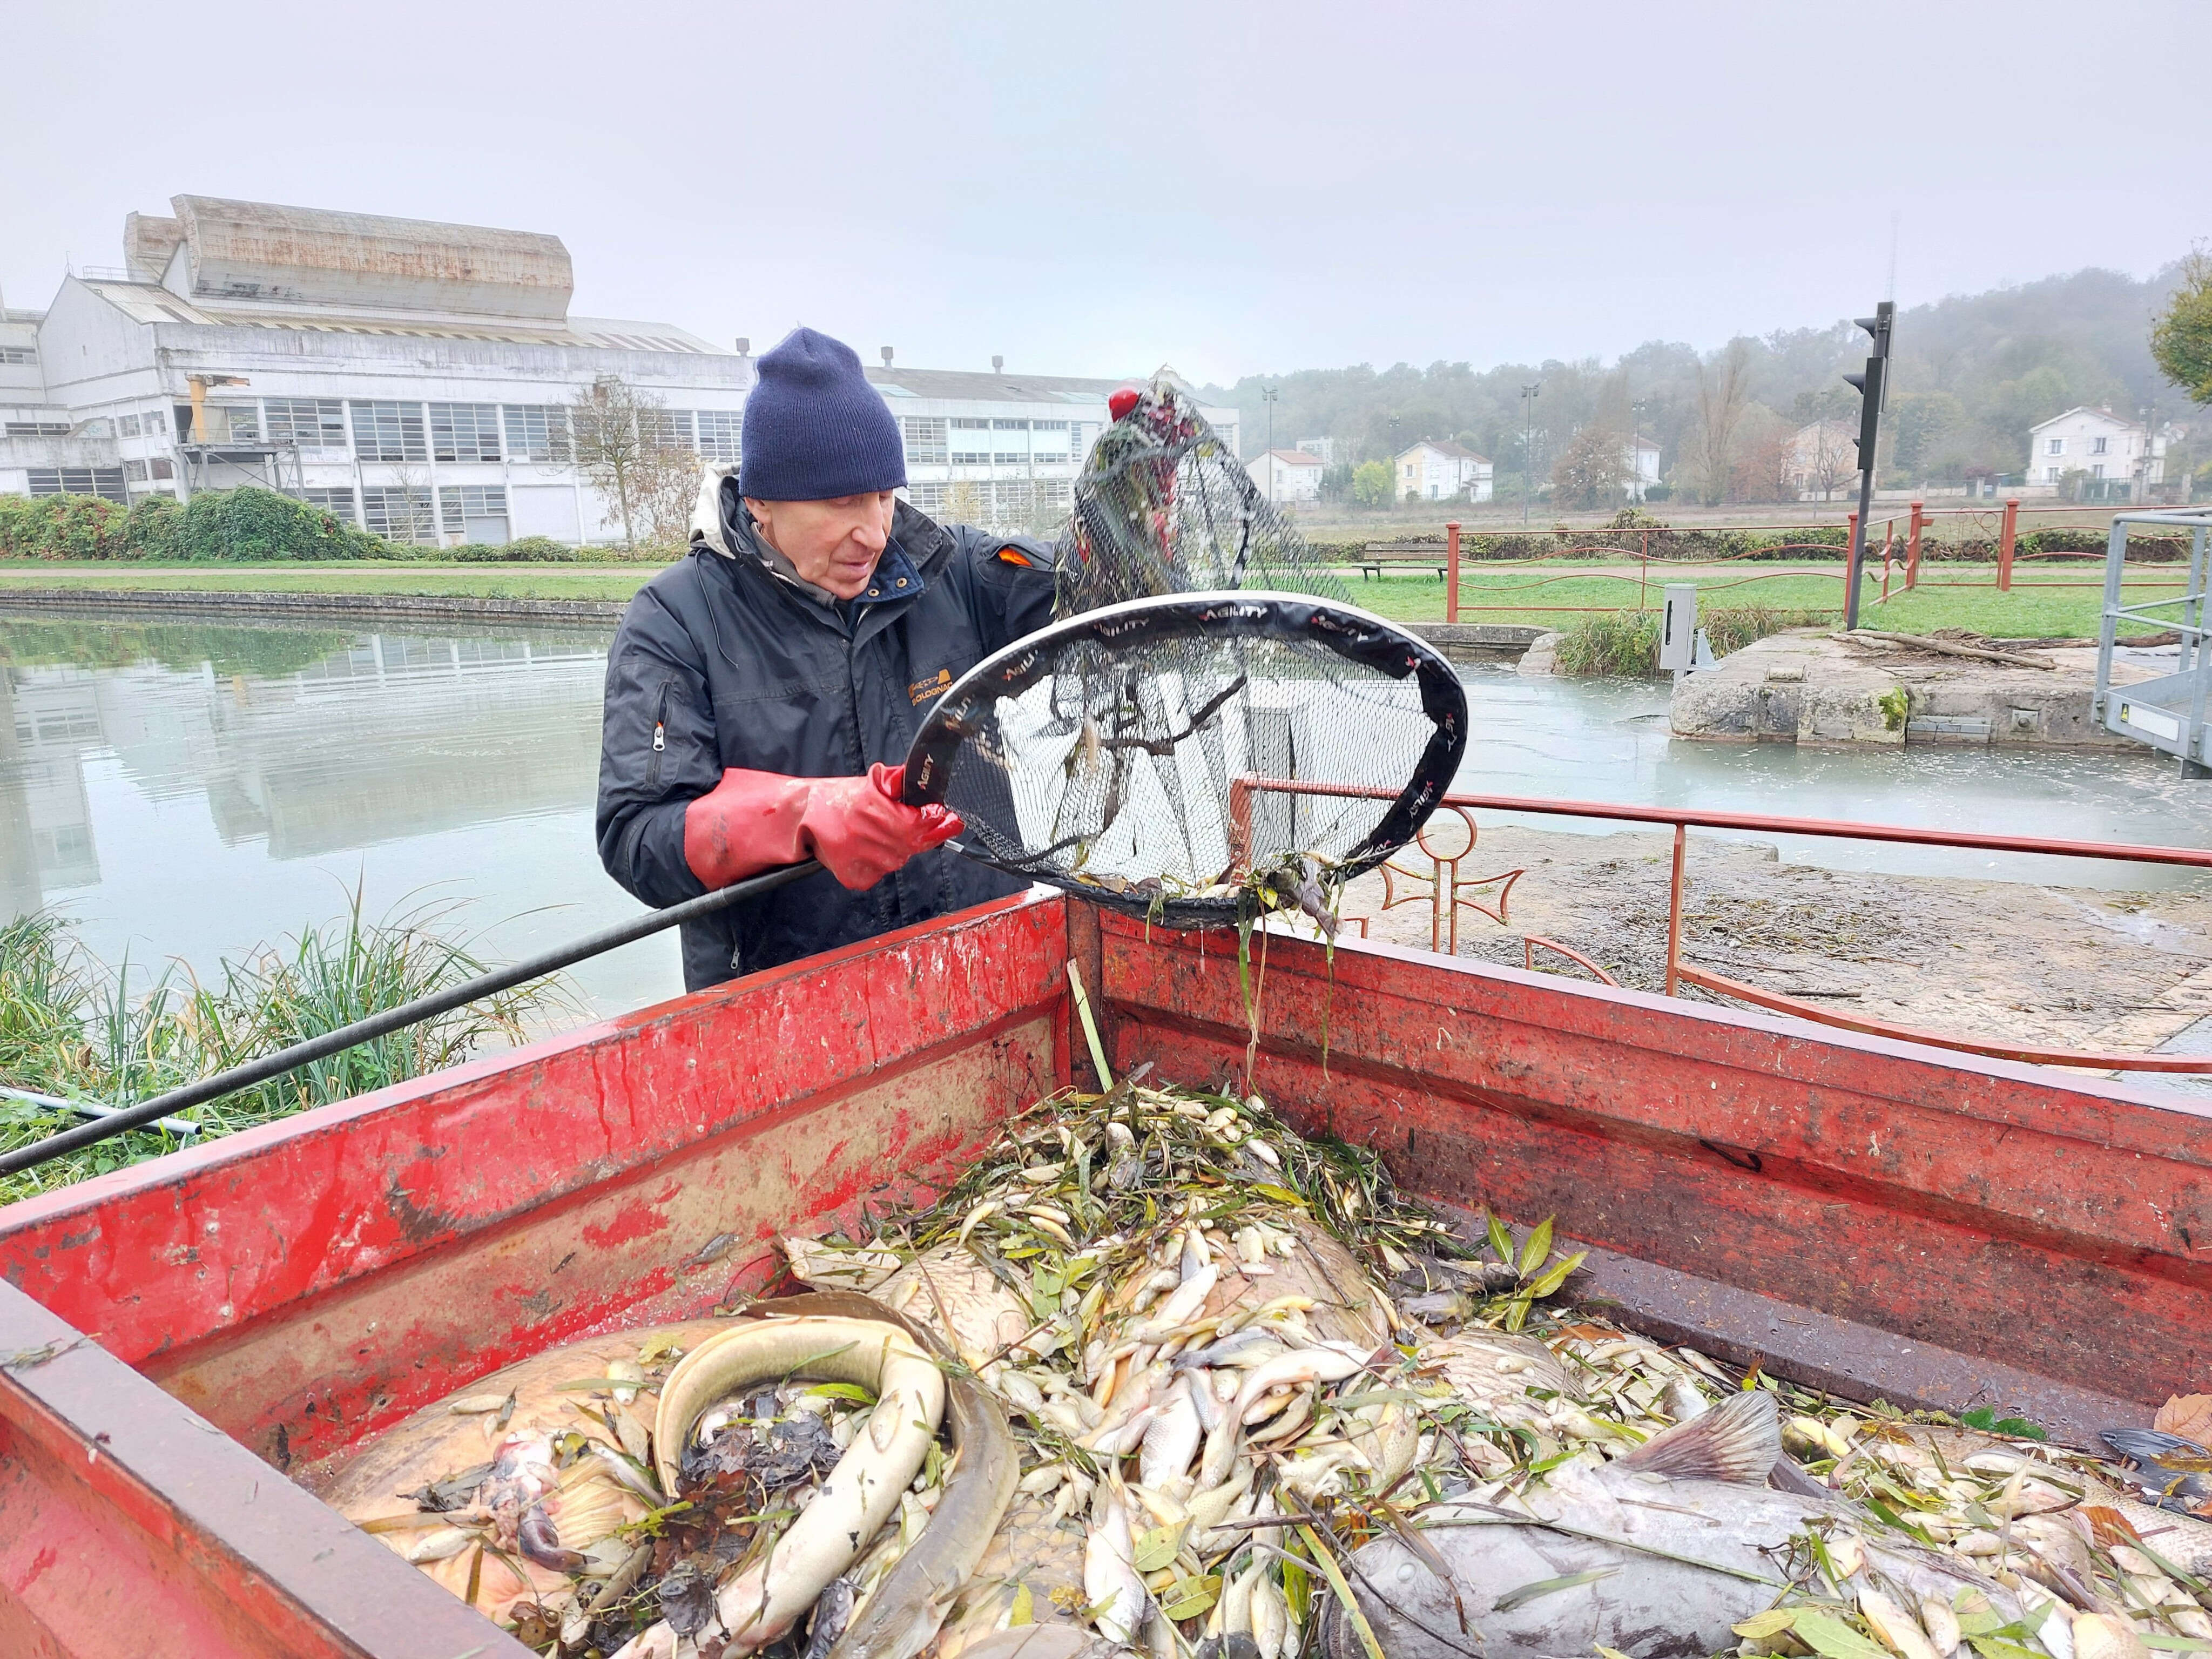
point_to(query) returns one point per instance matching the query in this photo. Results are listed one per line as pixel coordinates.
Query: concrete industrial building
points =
(414, 378)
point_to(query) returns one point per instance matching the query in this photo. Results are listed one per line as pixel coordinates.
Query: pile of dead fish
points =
(1159, 1374)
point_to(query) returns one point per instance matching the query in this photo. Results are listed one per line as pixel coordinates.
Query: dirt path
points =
(2074, 968)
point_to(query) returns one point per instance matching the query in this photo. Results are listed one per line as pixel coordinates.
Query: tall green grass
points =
(75, 1028)
(1626, 642)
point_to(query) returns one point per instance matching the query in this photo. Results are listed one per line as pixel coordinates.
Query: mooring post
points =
(1912, 546)
(1451, 571)
(2004, 545)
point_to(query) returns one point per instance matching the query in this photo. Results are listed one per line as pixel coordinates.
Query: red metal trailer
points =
(1856, 1212)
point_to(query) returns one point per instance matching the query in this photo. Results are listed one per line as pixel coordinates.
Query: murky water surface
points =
(187, 790)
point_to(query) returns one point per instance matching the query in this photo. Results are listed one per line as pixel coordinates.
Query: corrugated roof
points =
(965, 386)
(145, 302)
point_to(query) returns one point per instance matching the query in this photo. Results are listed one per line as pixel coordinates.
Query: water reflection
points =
(187, 790)
(239, 779)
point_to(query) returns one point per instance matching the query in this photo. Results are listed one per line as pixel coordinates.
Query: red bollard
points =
(1451, 571)
(1913, 547)
(2004, 546)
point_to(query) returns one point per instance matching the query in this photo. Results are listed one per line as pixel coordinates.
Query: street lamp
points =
(1268, 395)
(1636, 452)
(1527, 445)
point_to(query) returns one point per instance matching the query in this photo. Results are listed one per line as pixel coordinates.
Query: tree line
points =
(1971, 376)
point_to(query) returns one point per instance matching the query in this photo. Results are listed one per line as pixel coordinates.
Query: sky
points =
(1097, 189)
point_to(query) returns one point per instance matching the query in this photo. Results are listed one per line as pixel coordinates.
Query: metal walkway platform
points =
(2168, 713)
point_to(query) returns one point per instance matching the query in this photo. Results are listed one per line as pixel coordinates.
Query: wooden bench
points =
(1375, 556)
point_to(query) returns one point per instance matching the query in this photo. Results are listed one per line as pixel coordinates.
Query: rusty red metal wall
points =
(303, 1283)
(1992, 1208)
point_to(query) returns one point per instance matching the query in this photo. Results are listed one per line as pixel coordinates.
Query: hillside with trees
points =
(1973, 374)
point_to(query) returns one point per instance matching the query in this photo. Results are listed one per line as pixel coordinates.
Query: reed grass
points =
(77, 1029)
(1626, 642)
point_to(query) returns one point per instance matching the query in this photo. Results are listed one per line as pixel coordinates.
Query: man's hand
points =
(858, 827)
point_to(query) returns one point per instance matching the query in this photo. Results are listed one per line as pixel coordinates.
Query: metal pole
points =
(17, 1160)
(1675, 910)
(1858, 545)
(1451, 571)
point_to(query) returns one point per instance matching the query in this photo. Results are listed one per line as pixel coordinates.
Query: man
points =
(762, 694)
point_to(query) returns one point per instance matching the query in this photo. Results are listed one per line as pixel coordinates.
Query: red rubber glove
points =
(858, 827)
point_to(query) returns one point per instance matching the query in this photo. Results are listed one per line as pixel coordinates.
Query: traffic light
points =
(1872, 386)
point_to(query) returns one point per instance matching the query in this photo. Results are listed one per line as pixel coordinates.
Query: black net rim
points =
(1358, 636)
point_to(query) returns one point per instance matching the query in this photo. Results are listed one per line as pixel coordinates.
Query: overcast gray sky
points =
(1101, 186)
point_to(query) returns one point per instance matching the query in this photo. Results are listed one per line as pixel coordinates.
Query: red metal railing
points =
(1445, 885)
(1633, 546)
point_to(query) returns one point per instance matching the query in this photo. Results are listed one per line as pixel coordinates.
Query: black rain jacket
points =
(721, 662)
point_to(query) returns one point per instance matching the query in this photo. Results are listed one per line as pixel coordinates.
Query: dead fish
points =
(1247, 1348)
(1580, 1570)
(2171, 1471)
(833, 1611)
(522, 1475)
(1172, 1439)
(1325, 1362)
(1110, 1583)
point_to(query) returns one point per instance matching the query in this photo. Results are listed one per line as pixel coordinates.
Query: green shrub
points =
(62, 527)
(530, 549)
(1731, 628)
(1611, 642)
(152, 530)
(250, 523)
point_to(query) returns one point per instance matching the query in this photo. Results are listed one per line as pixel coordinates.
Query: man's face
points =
(835, 544)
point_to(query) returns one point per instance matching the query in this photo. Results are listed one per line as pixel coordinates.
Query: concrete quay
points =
(1809, 689)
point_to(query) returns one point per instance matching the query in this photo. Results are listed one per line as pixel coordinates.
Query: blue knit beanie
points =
(815, 427)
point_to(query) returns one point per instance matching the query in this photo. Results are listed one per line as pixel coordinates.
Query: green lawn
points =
(1553, 592)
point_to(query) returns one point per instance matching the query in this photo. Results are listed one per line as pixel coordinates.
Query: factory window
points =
(338, 503)
(310, 422)
(237, 423)
(666, 428)
(926, 443)
(457, 504)
(156, 423)
(389, 432)
(126, 426)
(134, 471)
(164, 467)
(719, 430)
(396, 513)
(928, 497)
(537, 432)
(969, 451)
(464, 432)
(38, 428)
(18, 354)
(79, 480)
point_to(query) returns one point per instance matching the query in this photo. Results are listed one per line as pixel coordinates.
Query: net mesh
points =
(1163, 506)
(1116, 753)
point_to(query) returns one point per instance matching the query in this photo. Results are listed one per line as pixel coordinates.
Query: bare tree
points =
(1829, 456)
(1723, 389)
(610, 446)
(1594, 470)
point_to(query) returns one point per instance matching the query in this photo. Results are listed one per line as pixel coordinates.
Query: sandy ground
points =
(2072, 967)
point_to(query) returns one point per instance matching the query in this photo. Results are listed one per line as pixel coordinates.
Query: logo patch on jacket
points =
(923, 691)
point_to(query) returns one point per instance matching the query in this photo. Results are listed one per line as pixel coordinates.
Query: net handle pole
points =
(1240, 827)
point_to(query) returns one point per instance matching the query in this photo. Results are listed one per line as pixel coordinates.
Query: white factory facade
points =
(415, 378)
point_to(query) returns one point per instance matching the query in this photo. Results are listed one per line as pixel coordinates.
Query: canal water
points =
(185, 791)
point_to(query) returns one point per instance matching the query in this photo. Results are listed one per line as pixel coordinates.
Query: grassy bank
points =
(1552, 594)
(1942, 600)
(76, 1029)
(368, 576)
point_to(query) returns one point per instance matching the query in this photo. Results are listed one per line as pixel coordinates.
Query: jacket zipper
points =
(659, 738)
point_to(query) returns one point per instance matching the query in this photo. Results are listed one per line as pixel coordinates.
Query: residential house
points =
(1824, 459)
(2121, 458)
(1435, 470)
(1639, 457)
(1286, 476)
